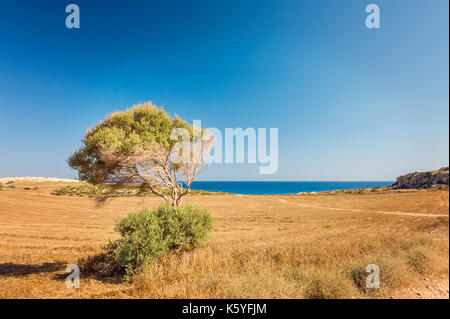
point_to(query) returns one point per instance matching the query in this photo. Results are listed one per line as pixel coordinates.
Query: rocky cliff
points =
(436, 178)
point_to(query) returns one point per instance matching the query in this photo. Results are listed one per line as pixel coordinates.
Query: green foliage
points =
(149, 234)
(137, 127)
(27, 188)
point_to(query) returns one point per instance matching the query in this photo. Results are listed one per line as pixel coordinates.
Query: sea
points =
(273, 188)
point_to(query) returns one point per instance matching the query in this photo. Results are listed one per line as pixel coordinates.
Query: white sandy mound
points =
(38, 179)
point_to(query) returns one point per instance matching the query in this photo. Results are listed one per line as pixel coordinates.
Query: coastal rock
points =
(436, 178)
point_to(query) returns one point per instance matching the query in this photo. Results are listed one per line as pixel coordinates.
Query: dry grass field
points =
(290, 246)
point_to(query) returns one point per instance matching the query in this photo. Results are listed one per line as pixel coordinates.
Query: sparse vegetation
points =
(108, 190)
(362, 191)
(92, 190)
(261, 247)
(281, 271)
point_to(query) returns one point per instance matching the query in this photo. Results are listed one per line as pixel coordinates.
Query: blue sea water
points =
(267, 188)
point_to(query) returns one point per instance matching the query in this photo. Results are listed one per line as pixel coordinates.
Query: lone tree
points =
(143, 145)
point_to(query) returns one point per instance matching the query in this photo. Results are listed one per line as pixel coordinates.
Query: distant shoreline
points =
(282, 187)
(37, 179)
(244, 187)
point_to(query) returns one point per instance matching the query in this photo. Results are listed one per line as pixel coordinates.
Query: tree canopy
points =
(138, 146)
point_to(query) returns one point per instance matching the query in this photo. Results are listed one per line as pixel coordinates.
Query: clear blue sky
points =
(350, 103)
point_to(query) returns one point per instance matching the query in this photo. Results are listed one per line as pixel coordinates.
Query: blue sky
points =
(350, 103)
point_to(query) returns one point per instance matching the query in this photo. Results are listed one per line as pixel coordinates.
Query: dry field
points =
(291, 246)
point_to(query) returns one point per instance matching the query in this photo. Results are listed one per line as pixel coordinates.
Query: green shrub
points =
(1, 185)
(27, 188)
(12, 186)
(147, 235)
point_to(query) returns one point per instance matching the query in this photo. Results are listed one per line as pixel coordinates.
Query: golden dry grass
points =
(262, 246)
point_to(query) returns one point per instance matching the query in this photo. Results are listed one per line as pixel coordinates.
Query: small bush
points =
(1, 185)
(419, 261)
(12, 186)
(147, 235)
(10, 182)
(359, 275)
(393, 273)
(324, 284)
(27, 188)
